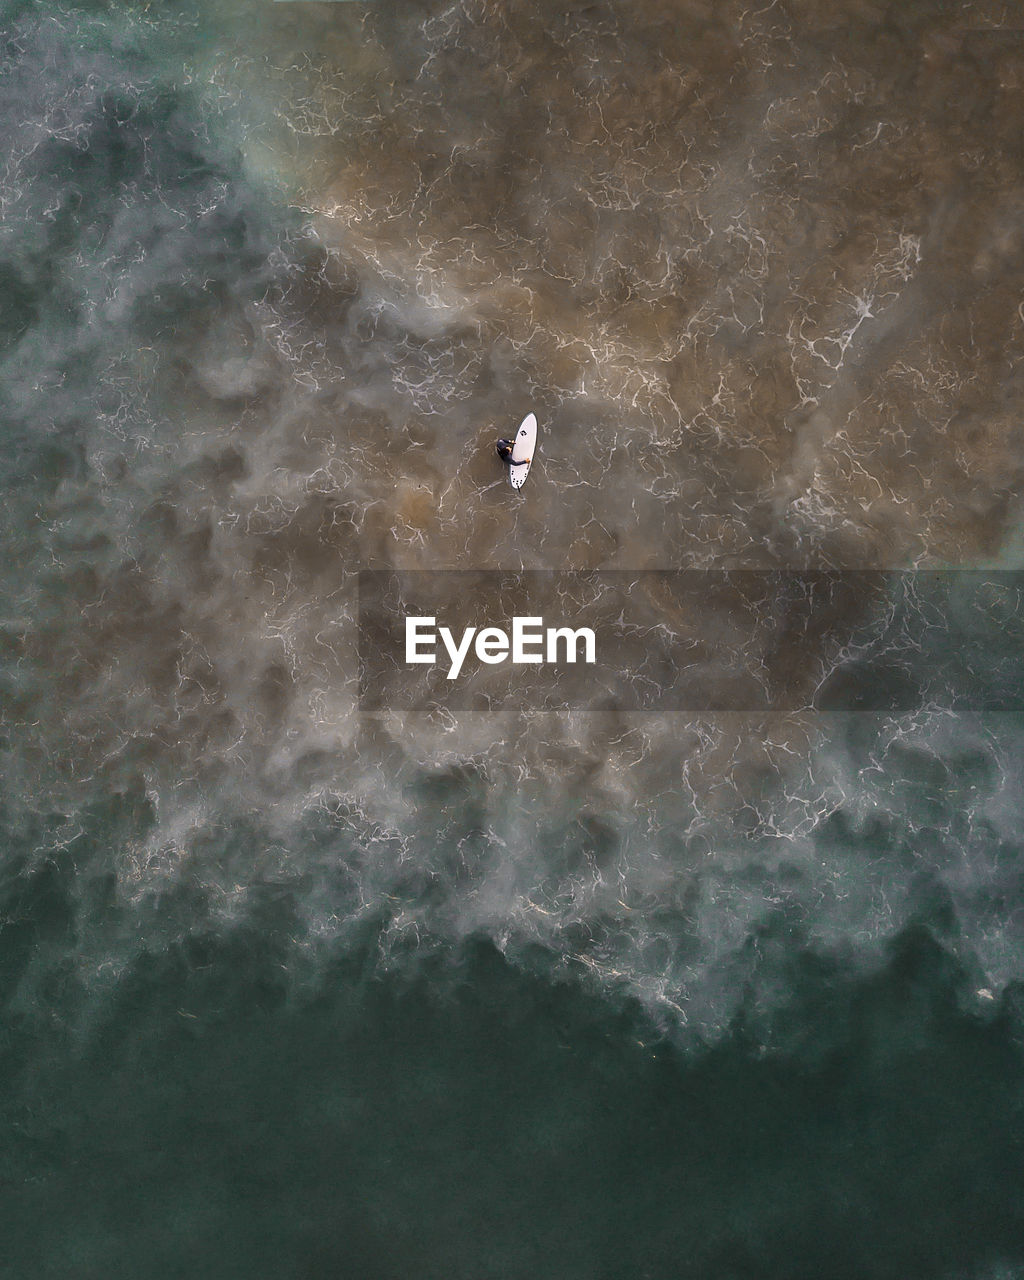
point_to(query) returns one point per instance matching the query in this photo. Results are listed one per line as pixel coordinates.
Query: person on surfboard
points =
(504, 448)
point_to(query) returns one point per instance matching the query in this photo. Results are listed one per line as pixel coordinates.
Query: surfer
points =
(504, 448)
(525, 441)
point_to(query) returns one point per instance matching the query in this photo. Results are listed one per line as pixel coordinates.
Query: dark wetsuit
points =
(504, 448)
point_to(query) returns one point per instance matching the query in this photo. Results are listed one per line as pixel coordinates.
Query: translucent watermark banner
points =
(692, 640)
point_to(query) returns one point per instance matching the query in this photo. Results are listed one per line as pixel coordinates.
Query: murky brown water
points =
(758, 271)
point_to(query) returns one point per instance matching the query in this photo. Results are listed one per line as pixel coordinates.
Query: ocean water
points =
(301, 984)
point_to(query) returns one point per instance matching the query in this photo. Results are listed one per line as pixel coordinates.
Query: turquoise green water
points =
(295, 990)
(493, 1123)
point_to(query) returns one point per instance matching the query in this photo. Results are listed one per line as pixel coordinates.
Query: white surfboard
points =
(523, 448)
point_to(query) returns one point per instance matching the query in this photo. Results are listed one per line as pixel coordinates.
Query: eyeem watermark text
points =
(695, 641)
(530, 642)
